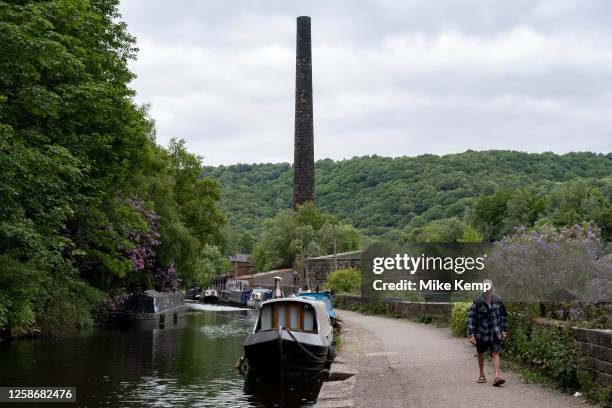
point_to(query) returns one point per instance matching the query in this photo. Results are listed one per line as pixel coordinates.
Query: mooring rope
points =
(281, 328)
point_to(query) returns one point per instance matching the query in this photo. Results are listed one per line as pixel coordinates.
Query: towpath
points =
(400, 363)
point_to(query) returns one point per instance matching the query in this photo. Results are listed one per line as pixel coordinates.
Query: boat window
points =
(292, 315)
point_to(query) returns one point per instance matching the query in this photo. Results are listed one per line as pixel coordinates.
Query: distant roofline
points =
(338, 255)
(240, 258)
(274, 272)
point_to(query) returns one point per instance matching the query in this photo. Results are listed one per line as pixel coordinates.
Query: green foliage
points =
(490, 211)
(344, 281)
(211, 263)
(575, 202)
(470, 235)
(390, 197)
(274, 247)
(459, 318)
(186, 205)
(548, 349)
(75, 153)
(20, 291)
(307, 232)
(70, 304)
(445, 230)
(563, 204)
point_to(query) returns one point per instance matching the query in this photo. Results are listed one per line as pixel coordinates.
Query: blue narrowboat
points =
(324, 297)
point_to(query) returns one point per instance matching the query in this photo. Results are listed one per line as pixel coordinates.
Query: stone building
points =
(318, 268)
(241, 265)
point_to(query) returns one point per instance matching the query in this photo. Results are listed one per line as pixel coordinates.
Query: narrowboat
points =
(291, 336)
(324, 297)
(258, 296)
(209, 296)
(193, 293)
(236, 293)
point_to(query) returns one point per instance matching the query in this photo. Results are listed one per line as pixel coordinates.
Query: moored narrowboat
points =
(324, 297)
(291, 336)
(209, 296)
(258, 296)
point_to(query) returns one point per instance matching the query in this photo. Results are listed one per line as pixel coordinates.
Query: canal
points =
(191, 365)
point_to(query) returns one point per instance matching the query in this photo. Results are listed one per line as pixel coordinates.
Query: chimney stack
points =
(303, 149)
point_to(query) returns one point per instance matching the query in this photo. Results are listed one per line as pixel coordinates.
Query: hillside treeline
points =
(90, 206)
(404, 198)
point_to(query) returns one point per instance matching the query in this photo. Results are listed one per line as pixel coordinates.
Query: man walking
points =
(487, 328)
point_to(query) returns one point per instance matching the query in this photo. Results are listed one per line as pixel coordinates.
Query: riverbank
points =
(400, 363)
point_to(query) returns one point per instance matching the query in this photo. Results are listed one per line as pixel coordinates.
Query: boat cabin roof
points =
(319, 314)
(289, 299)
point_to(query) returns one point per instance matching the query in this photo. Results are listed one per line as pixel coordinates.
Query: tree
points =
(91, 205)
(70, 138)
(446, 230)
(470, 235)
(306, 231)
(574, 202)
(384, 197)
(211, 263)
(490, 212)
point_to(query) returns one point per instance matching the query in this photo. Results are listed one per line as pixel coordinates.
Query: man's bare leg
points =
(495, 358)
(481, 364)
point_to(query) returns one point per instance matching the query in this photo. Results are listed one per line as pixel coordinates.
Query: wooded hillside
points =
(391, 197)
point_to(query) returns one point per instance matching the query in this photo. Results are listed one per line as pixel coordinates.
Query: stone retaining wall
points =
(596, 348)
(317, 269)
(406, 309)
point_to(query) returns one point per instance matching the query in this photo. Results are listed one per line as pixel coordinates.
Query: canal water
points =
(190, 365)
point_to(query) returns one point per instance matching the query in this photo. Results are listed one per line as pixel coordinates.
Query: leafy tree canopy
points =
(90, 206)
(306, 232)
(390, 197)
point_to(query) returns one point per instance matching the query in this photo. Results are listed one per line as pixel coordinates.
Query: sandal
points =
(498, 381)
(482, 379)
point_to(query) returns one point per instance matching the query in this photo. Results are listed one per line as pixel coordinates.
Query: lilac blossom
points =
(547, 264)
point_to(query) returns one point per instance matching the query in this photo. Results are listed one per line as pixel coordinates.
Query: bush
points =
(71, 304)
(344, 281)
(550, 350)
(21, 288)
(459, 318)
(545, 348)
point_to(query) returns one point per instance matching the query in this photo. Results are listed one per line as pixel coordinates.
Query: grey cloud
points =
(391, 77)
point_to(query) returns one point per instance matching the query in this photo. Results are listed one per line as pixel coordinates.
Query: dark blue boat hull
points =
(269, 355)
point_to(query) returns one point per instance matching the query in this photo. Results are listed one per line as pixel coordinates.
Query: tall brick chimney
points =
(303, 148)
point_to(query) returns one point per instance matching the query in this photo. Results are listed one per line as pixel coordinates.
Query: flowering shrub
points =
(144, 242)
(546, 264)
(115, 303)
(166, 279)
(142, 249)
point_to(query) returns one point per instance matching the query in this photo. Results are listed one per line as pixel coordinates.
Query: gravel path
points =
(400, 363)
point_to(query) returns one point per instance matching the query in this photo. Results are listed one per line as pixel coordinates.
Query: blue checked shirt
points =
(487, 322)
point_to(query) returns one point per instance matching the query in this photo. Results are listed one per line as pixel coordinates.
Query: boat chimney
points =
(277, 287)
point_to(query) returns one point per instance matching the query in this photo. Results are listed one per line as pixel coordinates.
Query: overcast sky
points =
(391, 77)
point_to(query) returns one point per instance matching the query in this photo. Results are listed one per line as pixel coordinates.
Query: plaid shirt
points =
(486, 322)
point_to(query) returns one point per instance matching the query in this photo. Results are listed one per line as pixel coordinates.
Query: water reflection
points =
(288, 392)
(190, 364)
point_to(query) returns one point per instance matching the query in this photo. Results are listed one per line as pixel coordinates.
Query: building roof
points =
(274, 272)
(349, 255)
(240, 258)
